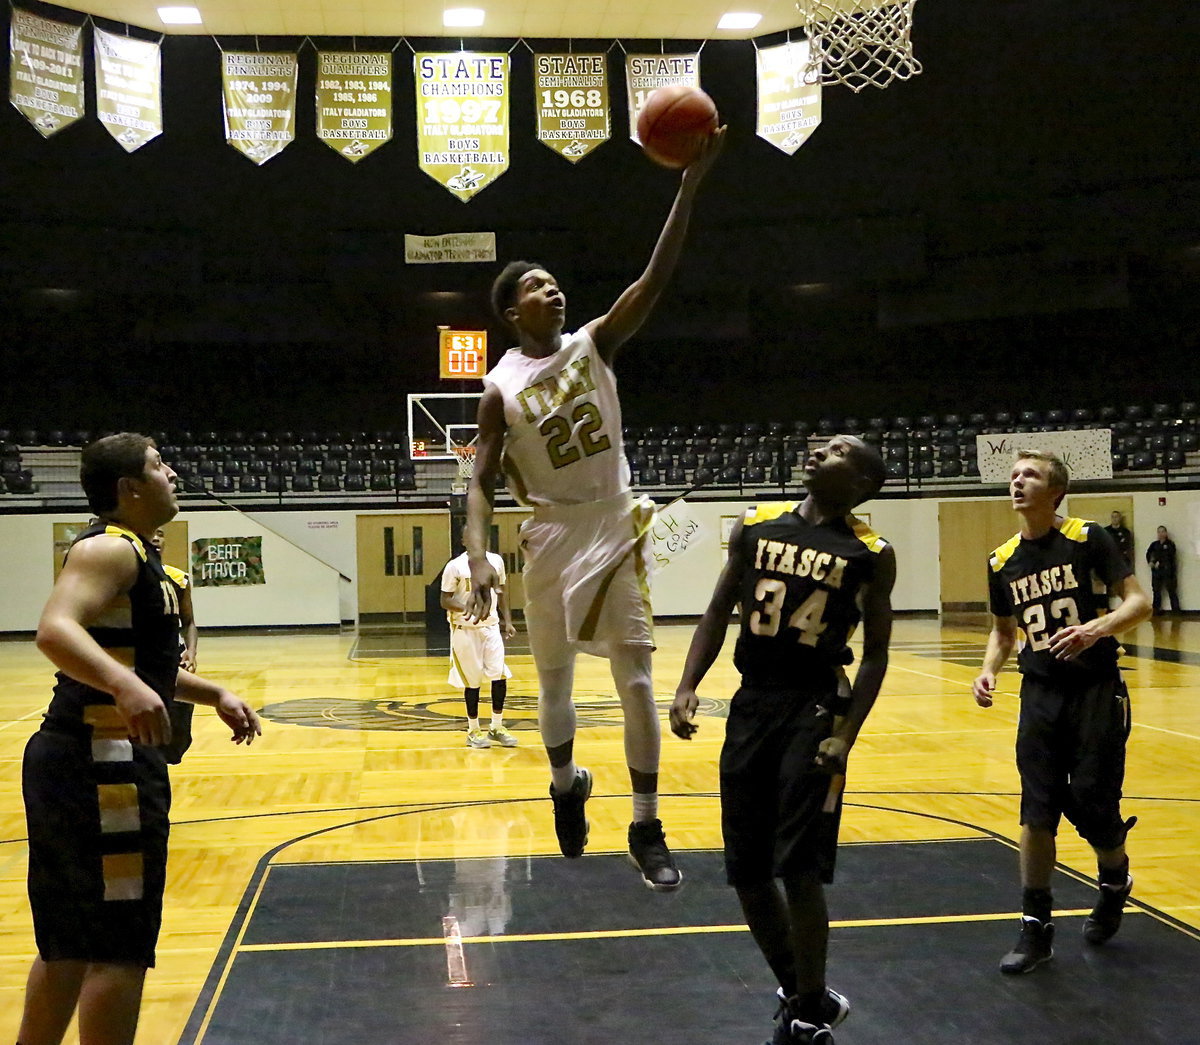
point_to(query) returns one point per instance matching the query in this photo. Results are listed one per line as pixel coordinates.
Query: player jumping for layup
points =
(550, 412)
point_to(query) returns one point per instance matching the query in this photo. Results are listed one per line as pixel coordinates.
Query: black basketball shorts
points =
(779, 810)
(97, 848)
(1071, 755)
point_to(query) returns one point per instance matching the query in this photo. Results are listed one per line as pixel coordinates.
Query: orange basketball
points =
(674, 123)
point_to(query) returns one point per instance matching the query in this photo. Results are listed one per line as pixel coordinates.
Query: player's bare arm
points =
(610, 331)
(239, 716)
(1000, 644)
(877, 638)
(1068, 643)
(708, 638)
(96, 573)
(506, 624)
(454, 601)
(481, 500)
(187, 626)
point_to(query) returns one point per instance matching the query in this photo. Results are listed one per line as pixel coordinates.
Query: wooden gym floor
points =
(361, 876)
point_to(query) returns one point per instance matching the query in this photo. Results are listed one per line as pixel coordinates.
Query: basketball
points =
(674, 123)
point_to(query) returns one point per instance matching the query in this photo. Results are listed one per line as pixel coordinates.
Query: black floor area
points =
(929, 984)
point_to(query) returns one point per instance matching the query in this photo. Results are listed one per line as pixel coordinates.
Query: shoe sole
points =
(501, 743)
(1028, 968)
(478, 747)
(658, 887)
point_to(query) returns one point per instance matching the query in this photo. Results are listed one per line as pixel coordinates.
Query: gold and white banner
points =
(45, 80)
(462, 118)
(789, 109)
(354, 101)
(128, 88)
(259, 92)
(645, 73)
(459, 247)
(571, 100)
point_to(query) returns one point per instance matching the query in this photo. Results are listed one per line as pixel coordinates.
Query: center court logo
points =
(445, 714)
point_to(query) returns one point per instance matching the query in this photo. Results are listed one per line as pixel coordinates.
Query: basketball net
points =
(465, 456)
(859, 43)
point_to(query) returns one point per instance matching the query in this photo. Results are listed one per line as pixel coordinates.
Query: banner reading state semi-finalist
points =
(45, 82)
(789, 109)
(354, 101)
(572, 102)
(462, 119)
(128, 88)
(259, 89)
(645, 73)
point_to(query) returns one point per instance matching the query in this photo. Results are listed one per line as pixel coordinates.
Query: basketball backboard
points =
(440, 421)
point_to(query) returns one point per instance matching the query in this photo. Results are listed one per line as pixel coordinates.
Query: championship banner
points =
(259, 93)
(572, 102)
(1087, 453)
(128, 88)
(457, 247)
(462, 118)
(220, 561)
(645, 73)
(354, 101)
(45, 80)
(789, 109)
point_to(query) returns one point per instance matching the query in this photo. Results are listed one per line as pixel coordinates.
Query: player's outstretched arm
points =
(631, 309)
(708, 639)
(481, 500)
(239, 716)
(96, 572)
(999, 647)
(877, 638)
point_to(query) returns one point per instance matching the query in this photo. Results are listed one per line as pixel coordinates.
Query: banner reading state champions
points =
(645, 73)
(354, 101)
(571, 99)
(462, 118)
(259, 89)
(789, 109)
(128, 88)
(45, 81)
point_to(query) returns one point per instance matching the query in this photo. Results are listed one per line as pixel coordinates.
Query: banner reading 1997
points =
(259, 91)
(645, 73)
(789, 109)
(45, 71)
(572, 102)
(462, 119)
(354, 101)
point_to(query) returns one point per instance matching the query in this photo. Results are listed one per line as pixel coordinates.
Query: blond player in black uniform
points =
(1051, 581)
(95, 784)
(804, 574)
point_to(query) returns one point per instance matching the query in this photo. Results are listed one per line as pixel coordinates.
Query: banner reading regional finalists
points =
(128, 88)
(789, 109)
(572, 102)
(45, 81)
(259, 91)
(227, 560)
(462, 119)
(354, 101)
(645, 73)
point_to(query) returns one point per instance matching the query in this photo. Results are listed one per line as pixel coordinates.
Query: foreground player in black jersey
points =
(803, 575)
(1051, 580)
(95, 784)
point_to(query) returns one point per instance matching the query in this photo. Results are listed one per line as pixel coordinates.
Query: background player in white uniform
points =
(477, 649)
(550, 410)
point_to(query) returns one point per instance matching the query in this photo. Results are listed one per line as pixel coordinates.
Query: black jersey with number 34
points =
(1055, 581)
(800, 595)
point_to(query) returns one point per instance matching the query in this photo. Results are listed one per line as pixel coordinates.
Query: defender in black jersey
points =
(1051, 580)
(97, 798)
(804, 575)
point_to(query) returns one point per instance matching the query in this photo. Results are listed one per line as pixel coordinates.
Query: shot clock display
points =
(463, 354)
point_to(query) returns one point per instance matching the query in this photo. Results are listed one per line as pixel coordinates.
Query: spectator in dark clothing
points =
(1122, 536)
(1162, 558)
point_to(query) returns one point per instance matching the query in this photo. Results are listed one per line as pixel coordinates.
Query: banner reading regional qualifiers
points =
(45, 82)
(571, 99)
(789, 109)
(128, 88)
(354, 101)
(462, 119)
(259, 91)
(645, 73)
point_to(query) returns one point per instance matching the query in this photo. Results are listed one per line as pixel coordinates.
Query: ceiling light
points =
(179, 16)
(458, 17)
(739, 20)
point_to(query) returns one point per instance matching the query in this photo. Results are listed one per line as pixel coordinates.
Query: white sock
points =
(645, 807)
(472, 725)
(563, 777)
(497, 719)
